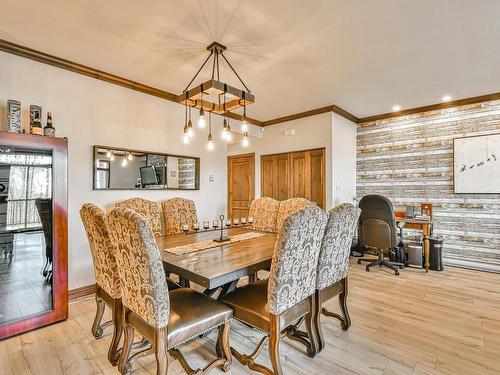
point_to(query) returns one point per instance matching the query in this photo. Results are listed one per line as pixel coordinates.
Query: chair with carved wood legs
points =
(108, 292)
(333, 267)
(167, 319)
(275, 304)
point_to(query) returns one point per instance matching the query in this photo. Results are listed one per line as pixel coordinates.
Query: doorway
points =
(240, 184)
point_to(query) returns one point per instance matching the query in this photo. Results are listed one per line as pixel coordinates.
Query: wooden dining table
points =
(219, 267)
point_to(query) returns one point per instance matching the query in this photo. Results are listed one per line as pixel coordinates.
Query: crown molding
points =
(432, 107)
(313, 112)
(61, 63)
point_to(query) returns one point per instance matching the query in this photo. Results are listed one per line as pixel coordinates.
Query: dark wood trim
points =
(81, 292)
(59, 148)
(312, 112)
(432, 107)
(74, 67)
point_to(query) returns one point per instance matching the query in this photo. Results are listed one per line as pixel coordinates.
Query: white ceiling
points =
(295, 55)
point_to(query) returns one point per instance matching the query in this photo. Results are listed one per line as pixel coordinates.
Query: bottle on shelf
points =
(49, 130)
(36, 126)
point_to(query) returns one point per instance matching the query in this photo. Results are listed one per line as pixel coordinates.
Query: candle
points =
(215, 224)
(243, 220)
(228, 223)
(236, 221)
(196, 226)
(206, 225)
(185, 228)
(250, 220)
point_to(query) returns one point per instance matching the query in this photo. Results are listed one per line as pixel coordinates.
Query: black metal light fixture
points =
(194, 97)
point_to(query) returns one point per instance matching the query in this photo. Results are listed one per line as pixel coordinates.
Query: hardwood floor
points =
(426, 324)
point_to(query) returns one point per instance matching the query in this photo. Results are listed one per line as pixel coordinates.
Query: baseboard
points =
(81, 292)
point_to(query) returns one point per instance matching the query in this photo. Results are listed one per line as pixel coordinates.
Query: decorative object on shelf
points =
(14, 124)
(222, 238)
(426, 209)
(49, 130)
(476, 164)
(212, 96)
(36, 120)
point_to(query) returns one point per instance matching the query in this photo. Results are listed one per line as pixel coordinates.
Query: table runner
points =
(208, 244)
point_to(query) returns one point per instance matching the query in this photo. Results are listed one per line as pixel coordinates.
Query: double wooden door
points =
(295, 174)
(240, 183)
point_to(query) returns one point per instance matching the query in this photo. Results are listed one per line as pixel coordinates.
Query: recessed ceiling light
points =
(446, 98)
(396, 108)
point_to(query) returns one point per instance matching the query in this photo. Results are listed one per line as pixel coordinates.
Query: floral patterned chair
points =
(288, 207)
(150, 210)
(167, 319)
(264, 212)
(108, 292)
(176, 213)
(273, 305)
(333, 266)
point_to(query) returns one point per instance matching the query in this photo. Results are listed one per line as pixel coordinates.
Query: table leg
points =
(227, 288)
(426, 252)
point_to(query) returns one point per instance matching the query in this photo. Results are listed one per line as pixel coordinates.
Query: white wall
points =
(88, 112)
(344, 159)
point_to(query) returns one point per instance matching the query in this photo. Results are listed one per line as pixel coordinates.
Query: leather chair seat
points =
(249, 304)
(192, 314)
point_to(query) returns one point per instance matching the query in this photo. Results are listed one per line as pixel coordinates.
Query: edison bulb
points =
(108, 154)
(229, 136)
(244, 126)
(245, 142)
(190, 132)
(112, 157)
(186, 139)
(124, 162)
(130, 156)
(210, 145)
(224, 134)
(201, 121)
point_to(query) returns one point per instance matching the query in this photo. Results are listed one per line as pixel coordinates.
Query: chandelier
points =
(214, 96)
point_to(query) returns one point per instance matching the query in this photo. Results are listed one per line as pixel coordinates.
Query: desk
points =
(221, 266)
(425, 226)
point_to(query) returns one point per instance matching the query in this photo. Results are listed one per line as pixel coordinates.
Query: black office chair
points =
(377, 230)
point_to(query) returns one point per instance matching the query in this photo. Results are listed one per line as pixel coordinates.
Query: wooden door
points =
(317, 177)
(240, 184)
(274, 176)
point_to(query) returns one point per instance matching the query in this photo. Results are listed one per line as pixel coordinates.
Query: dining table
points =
(219, 267)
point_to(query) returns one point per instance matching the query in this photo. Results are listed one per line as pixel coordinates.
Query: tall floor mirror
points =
(33, 232)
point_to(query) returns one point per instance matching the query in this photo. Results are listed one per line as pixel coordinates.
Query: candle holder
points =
(185, 228)
(196, 227)
(222, 238)
(206, 225)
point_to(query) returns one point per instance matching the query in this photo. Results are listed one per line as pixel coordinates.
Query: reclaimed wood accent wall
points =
(409, 159)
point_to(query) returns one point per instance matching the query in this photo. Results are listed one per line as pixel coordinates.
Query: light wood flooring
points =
(437, 323)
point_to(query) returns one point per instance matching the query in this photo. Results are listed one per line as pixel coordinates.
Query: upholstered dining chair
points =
(333, 266)
(167, 319)
(176, 213)
(147, 208)
(108, 292)
(289, 206)
(273, 305)
(264, 212)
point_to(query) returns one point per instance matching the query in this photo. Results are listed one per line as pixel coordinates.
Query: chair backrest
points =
(290, 206)
(377, 223)
(176, 213)
(295, 260)
(149, 209)
(142, 278)
(44, 208)
(264, 212)
(102, 249)
(333, 262)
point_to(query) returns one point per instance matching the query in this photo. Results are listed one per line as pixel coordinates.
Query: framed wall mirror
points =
(33, 232)
(126, 169)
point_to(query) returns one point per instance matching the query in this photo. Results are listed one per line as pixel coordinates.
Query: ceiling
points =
(295, 55)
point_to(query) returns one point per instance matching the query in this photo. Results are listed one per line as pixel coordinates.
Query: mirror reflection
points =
(25, 233)
(132, 169)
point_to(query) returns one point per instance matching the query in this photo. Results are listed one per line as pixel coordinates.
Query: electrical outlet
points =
(211, 177)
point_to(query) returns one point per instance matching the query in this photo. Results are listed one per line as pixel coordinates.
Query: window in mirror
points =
(116, 168)
(26, 282)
